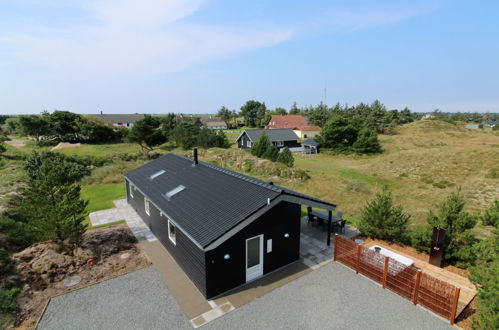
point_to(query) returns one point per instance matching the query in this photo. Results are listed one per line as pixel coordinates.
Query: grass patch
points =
(101, 197)
(493, 173)
(101, 150)
(107, 224)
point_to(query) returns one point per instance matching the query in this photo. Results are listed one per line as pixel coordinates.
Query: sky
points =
(194, 56)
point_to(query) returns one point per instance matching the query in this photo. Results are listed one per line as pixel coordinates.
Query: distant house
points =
(492, 123)
(279, 137)
(119, 120)
(297, 123)
(310, 146)
(223, 228)
(429, 116)
(214, 123)
(474, 126)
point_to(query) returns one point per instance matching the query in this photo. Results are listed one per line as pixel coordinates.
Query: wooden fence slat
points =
(416, 288)
(385, 271)
(359, 251)
(454, 305)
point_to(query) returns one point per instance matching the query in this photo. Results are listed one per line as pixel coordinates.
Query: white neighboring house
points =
(119, 120)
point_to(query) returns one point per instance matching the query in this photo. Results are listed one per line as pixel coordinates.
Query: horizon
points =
(195, 56)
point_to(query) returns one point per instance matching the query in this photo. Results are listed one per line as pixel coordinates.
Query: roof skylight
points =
(155, 175)
(174, 191)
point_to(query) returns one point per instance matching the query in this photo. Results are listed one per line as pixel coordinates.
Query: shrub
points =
(367, 142)
(261, 146)
(484, 274)
(4, 262)
(357, 186)
(491, 216)
(420, 238)
(493, 173)
(286, 157)
(381, 219)
(8, 301)
(458, 225)
(427, 180)
(271, 153)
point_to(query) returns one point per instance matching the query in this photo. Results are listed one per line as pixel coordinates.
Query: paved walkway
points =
(123, 211)
(332, 297)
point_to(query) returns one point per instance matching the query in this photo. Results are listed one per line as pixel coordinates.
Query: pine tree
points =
(261, 146)
(52, 206)
(484, 274)
(286, 157)
(367, 142)
(271, 153)
(381, 219)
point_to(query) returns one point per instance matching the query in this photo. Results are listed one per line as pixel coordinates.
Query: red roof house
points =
(297, 123)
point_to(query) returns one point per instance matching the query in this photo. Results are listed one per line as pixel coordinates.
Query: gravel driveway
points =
(332, 297)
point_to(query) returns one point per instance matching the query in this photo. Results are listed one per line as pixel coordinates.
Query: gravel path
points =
(332, 297)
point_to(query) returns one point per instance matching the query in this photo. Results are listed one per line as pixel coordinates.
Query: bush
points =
(8, 301)
(493, 173)
(458, 225)
(286, 157)
(5, 263)
(420, 238)
(484, 274)
(367, 142)
(491, 216)
(381, 219)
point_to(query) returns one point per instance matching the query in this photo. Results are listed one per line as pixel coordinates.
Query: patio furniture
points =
(340, 225)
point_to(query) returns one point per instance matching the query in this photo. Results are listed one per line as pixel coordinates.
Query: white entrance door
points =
(254, 257)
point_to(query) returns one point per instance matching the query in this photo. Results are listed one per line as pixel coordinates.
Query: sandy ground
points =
(65, 145)
(41, 284)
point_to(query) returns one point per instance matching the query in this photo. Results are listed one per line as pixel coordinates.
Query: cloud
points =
(354, 20)
(145, 37)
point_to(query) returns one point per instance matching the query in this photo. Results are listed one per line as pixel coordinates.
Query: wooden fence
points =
(408, 282)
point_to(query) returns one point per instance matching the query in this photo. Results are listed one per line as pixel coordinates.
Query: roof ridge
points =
(235, 174)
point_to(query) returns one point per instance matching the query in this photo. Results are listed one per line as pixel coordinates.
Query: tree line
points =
(185, 133)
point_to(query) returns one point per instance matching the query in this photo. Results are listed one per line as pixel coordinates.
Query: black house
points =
(284, 137)
(223, 228)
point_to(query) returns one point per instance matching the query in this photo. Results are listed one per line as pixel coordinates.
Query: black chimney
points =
(271, 183)
(195, 153)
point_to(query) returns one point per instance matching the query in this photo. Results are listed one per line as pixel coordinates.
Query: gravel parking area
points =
(137, 300)
(332, 297)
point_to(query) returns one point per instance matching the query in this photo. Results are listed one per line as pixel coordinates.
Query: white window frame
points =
(248, 144)
(131, 188)
(147, 207)
(280, 143)
(173, 238)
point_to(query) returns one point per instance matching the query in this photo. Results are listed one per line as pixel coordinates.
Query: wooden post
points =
(416, 287)
(330, 218)
(335, 246)
(359, 251)
(454, 305)
(309, 210)
(385, 272)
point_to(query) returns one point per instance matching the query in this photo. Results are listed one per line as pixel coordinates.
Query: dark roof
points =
(119, 118)
(214, 199)
(310, 142)
(493, 122)
(284, 134)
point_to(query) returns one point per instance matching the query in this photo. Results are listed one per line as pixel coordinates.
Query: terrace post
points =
(416, 287)
(454, 305)
(329, 220)
(385, 271)
(359, 251)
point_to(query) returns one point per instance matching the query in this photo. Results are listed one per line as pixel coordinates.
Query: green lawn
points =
(101, 150)
(101, 197)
